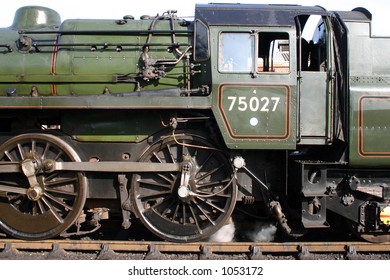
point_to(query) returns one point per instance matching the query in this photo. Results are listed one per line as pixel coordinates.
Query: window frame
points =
(258, 38)
(196, 40)
(253, 53)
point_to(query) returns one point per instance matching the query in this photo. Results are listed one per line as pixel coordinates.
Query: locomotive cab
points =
(286, 93)
(273, 89)
(254, 54)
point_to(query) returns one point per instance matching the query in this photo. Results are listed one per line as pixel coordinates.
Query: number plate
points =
(256, 112)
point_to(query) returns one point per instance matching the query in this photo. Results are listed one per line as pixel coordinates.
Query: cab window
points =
(273, 52)
(202, 44)
(236, 52)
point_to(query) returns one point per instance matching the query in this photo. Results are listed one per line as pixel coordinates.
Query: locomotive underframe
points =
(359, 195)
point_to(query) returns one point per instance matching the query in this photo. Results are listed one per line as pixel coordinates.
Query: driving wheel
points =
(189, 205)
(35, 204)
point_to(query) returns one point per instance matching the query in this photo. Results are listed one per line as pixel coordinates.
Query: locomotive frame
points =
(179, 123)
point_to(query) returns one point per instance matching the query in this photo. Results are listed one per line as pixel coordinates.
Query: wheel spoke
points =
(58, 156)
(9, 183)
(157, 157)
(195, 218)
(156, 207)
(205, 214)
(52, 210)
(34, 210)
(47, 147)
(213, 195)
(21, 152)
(60, 181)
(15, 199)
(60, 202)
(59, 191)
(211, 204)
(154, 183)
(171, 154)
(55, 203)
(41, 206)
(9, 156)
(205, 161)
(175, 213)
(33, 146)
(170, 181)
(212, 184)
(166, 208)
(51, 177)
(184, 216)
(153, 196)
(160, 161)
(207, 174)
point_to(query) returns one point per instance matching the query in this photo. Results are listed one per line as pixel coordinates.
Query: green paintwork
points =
(256, 116)
(255, 111)
(79, 70)
(369, 97)
(370, 125)
(106, 102)
(69, 73)
(91, 119)
(255, 121)
(103, 126)
(31, 17)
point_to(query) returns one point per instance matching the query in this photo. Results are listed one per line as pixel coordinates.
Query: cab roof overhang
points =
(253, 14)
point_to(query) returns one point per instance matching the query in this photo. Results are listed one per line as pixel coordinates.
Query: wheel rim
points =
(58, 198)
(177, 215)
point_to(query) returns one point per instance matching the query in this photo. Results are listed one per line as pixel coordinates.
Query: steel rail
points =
(167, 247)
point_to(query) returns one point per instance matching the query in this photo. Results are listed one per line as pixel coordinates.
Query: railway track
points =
(137, 250)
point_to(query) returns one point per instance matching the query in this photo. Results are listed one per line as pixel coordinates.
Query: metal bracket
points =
(304, 253)
(205, 253)
(351, 253)
(106, 253)
(256, 253)
(57, 253)
(153, 253)
(125, 201)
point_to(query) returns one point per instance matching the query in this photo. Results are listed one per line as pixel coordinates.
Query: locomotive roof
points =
(357, 14)
(253, 14)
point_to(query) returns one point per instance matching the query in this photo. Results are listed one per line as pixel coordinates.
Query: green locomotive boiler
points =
(180, 123)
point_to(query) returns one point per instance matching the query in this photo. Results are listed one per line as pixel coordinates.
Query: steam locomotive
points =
(179, 122)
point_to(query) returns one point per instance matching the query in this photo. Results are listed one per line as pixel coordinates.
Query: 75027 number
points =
(254, 103)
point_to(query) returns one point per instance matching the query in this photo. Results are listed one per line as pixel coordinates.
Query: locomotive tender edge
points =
(184, 124)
